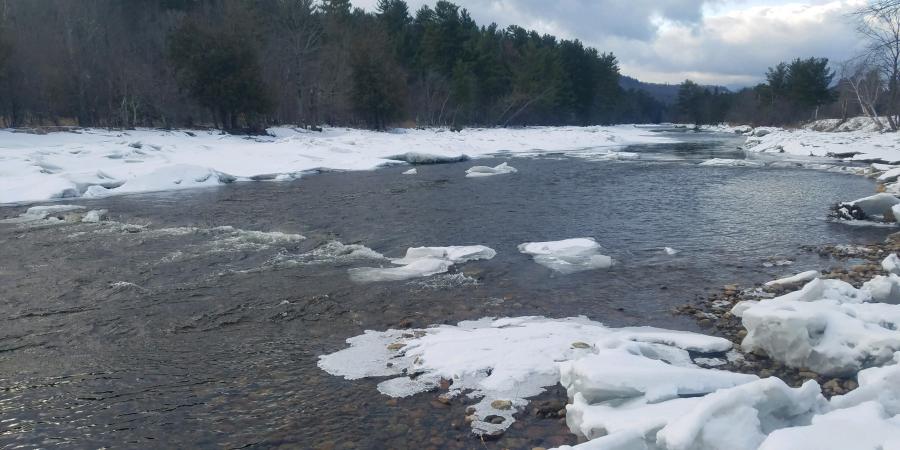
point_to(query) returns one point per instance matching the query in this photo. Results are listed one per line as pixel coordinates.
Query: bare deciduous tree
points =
(879, 23)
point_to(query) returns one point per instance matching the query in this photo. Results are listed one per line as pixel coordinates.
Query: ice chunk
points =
(670, 251)
(740, 418)
(38, 213)
(825, 327)
(569, 255)
(412, 171)
(332, 252)
(512, 359)
(95, 216)
(866, 426)
(484, 171)
(796, 279)
(875, 384)
(891, 264)
(422, 262)
(885, 289)
(878, 205)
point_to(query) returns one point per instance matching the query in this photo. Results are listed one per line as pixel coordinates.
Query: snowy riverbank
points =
(98, 163)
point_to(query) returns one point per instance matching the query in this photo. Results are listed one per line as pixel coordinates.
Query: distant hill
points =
(665, 93)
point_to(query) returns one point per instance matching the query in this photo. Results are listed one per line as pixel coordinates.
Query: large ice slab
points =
(569, 255)
(503, 362)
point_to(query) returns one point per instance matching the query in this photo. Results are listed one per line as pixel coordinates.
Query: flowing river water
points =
(161, 329)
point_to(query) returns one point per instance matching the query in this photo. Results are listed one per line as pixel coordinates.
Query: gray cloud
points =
(729, 42)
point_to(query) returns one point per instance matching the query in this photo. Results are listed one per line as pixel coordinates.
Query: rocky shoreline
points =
(855, 264)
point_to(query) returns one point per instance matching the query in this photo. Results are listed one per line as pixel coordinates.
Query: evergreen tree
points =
(221, 71)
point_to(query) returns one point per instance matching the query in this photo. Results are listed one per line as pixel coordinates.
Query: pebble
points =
(580, 345)
(809, 375)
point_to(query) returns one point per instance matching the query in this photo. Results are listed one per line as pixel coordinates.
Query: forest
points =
(243, 65)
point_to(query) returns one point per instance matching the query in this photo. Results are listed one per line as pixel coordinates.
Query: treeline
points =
(245, 64)
(795, 92)
(808, 89)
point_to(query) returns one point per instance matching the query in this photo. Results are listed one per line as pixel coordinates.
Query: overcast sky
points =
(726, 42)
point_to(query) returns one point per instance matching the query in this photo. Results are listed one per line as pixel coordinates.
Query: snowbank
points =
(96, 162)
(569, 255)
(505, 361)
(485, 171)
(422, 262)
(855, 140)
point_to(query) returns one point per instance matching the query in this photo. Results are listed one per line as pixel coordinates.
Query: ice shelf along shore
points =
(651, 388)
(96, 163)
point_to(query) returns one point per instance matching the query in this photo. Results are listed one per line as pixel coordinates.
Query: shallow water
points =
(212, 338)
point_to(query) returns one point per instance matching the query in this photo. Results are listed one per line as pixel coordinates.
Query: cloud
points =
(729, 42)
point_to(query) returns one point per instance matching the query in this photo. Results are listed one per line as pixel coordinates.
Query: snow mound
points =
(796, 279)
(422, 262)
(485, 171)
(569, 255)
(40, 213)
(828, 326)
(503, 362)
(721, 162)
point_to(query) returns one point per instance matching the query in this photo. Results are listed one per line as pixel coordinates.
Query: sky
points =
(722, 42)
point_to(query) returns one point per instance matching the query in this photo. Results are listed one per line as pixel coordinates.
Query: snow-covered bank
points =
(856, 139)
(96, 163)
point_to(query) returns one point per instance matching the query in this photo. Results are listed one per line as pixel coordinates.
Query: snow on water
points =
(98, 163)
(422, 262)
(331, 253)
(485, 171)
(569, 255)
(503, 362)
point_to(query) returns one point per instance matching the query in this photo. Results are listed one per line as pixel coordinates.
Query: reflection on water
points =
(163, 339)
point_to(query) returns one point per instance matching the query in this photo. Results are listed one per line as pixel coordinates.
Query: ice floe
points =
(422, 262)
(569, 255)
(412, 171)
(485, 171)
(501, 363)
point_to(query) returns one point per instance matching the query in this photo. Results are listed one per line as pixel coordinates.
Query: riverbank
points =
(92, 163)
